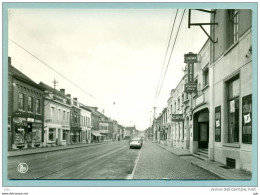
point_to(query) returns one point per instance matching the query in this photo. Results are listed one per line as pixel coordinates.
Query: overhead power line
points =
(173, 24)
(170, 55)
(44, 63)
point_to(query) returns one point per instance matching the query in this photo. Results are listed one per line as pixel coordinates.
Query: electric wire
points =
(170, 55)
(56, 72)
(166, 52)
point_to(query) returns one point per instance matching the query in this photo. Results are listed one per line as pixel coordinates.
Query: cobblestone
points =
(157, 163)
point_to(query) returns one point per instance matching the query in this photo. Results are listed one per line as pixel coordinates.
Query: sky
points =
(115, 55)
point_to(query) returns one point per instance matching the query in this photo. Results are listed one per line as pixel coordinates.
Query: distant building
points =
(85, 124)
(25, 111)
(75, 127)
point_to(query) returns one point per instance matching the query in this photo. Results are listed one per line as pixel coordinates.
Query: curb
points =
(54, 150)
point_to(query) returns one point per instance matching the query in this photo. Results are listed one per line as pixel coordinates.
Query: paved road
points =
(157, 163)
(107, 161)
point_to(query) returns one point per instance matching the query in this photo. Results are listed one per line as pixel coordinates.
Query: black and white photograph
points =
(138, 93)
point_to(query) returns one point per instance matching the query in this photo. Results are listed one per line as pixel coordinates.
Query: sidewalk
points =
(211, 166)
(22, 152)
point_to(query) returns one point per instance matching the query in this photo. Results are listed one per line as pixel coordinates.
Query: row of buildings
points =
(215, 122)
(42, 116)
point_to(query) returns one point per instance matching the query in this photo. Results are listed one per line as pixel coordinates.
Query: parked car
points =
(136, 143)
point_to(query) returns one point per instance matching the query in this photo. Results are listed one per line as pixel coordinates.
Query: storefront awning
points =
(97, 134)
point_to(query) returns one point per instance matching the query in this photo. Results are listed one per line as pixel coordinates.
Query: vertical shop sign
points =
(190, 59)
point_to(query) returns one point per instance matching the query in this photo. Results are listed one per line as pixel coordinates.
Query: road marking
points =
(131, 176)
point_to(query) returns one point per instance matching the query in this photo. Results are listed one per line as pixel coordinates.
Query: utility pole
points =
(54, 83)
(154, 127)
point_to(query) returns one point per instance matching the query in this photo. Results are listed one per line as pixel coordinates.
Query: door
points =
(203, 135)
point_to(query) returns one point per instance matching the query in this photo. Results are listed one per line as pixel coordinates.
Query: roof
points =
(19, 75)
(50, 89)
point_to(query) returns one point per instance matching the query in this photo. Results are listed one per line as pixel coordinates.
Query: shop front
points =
(200, 129)
(75, 135)
(27, 131)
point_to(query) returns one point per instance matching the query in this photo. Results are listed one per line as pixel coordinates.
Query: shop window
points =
(38, 106)
(51, 135)
(247, 119)
(205, 77)
(232, 27)
(64, 135)
(30, 104)
(218, 124)
(21, 101)
(233, 110)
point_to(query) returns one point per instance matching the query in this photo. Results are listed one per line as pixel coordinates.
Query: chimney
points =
(68, 95)
(76, 99)
(9, 61)
(63, 91)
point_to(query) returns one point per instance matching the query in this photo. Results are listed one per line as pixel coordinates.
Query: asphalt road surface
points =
(114, 160)
(106, 161)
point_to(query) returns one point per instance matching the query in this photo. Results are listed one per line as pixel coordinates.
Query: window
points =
(51, 134)
(30, 104)
(59, 114)
(233, 110)
(247, 119)
(68, 116)
(52, 111)
(37, 106)
(21, 101)
(205, 77)
(232, 27)
(175, 106)
(179, 103)
(218, 124)
(64, 113)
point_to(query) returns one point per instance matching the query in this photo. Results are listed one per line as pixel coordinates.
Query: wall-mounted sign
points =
(190, 58)
(190, 73)
(190, 87)
(177, 117)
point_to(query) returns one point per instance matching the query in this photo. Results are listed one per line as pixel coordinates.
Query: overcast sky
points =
(116, 55)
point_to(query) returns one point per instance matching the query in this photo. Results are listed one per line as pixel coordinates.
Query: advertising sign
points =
(190, 73)
(190, 58)
(190, 87)
(177, 117)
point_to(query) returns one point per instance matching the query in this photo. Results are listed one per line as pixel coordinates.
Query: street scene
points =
(130, 94)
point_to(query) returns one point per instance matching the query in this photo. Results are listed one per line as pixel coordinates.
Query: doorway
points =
(203, 135)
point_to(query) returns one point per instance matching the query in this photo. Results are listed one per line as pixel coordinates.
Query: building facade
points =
(57, 116)
(85, 120)
(75, 127)
(231, 95)
(25, 111)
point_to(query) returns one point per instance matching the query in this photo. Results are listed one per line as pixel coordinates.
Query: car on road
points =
(136, 143)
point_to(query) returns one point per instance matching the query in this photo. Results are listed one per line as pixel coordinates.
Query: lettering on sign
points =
(177, 117)
(190, 87)
(190, 73)
(190, 58)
